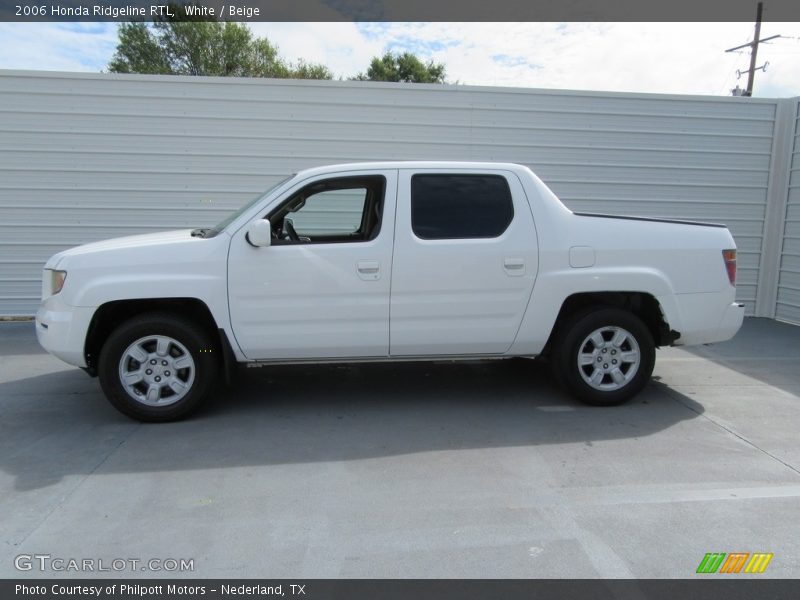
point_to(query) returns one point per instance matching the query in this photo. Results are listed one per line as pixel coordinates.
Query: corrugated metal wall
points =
(787, 306)
(90, 156)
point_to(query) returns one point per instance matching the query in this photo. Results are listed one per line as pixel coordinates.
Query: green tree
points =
(403, 67)
(194, 47)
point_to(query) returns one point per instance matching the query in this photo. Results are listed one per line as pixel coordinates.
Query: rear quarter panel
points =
(679, 264)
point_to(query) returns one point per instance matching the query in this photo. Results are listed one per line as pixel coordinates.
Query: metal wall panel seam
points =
(774, 219)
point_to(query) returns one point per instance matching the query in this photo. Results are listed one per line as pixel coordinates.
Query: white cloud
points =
(685, 58)
(340, 46)
(57, 46)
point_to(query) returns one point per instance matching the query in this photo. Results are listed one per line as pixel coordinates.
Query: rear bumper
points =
(707, 318)
(61, 329)
(731, 321)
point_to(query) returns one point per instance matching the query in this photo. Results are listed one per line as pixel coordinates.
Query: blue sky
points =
(683, 58)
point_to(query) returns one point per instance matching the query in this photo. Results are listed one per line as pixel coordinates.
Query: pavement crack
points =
(676, 397)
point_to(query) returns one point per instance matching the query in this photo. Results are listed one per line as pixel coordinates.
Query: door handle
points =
(514, 266)
(368, 266)
(368, 270)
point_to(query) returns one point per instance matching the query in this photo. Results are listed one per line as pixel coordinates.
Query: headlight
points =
(57, 279)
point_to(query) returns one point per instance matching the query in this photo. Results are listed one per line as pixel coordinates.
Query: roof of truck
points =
(413, 164)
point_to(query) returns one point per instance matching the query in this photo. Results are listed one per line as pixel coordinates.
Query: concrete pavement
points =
(480, 469)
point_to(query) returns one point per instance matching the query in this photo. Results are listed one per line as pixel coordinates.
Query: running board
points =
(381, 359)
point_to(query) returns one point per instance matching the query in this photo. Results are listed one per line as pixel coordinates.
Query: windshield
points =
(234, 215)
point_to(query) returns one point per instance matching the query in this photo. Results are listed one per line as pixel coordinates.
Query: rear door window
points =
(449, 206)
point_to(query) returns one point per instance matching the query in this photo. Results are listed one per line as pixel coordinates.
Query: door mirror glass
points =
(259, 233)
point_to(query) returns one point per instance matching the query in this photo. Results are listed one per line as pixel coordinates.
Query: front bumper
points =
(61, 329)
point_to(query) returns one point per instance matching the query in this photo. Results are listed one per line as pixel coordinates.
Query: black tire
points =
(188, 338)
(569, 343)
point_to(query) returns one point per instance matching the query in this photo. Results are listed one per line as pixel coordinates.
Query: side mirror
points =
(259, 233)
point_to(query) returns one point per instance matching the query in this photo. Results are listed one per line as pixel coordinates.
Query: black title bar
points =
(702, 588)
(400, 10)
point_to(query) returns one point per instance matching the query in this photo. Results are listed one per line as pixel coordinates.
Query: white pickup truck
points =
(389, 261)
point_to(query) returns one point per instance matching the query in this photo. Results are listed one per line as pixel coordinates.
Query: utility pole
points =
(751, 72)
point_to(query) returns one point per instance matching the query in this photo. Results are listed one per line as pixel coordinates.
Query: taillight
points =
(729, 256)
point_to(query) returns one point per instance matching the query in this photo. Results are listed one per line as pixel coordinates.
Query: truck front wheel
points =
(158, 367)
(604, 356)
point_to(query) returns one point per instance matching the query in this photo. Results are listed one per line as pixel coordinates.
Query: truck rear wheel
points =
(158, 367)
(604, 356)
